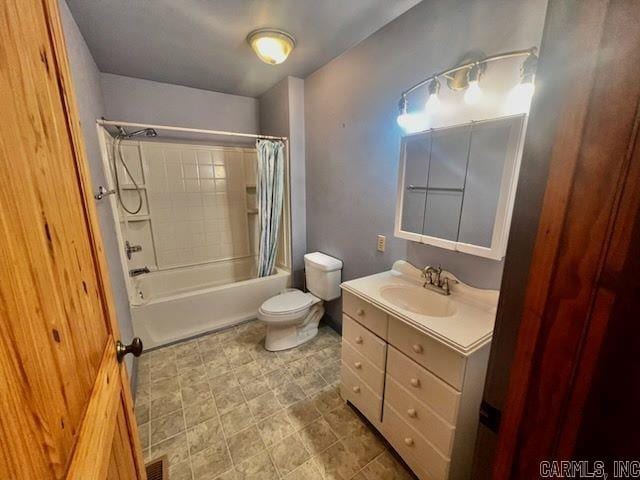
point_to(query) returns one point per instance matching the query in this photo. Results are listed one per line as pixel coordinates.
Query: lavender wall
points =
(352, 140)
(143, 101)
(282, 114)
(86, 83)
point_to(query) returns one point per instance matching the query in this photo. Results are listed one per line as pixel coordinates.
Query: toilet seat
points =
(290, 302)
(288, 308)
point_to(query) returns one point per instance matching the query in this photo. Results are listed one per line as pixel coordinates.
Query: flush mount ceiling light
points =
(467, 76)
(271, 45)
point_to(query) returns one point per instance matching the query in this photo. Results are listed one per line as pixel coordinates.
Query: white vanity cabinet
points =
(421, 394)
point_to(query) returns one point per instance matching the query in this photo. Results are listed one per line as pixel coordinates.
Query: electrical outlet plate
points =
(382, 241)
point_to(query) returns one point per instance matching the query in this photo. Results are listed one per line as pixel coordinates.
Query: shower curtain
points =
(270, 193)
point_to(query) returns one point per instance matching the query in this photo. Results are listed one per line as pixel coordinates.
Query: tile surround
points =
(196, 199)
(223, 408)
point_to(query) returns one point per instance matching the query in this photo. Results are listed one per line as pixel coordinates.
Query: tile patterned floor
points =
(222, 407)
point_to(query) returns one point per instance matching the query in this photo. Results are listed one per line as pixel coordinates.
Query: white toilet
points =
(292, 317)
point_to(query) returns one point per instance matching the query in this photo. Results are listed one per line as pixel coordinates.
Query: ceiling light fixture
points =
(272, 46)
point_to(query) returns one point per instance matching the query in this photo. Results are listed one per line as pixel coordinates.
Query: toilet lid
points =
(288, 302)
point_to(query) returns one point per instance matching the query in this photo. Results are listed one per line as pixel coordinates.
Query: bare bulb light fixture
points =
(520, 95)
(467, 76)
(410, 122)
(473, 94)
(272, 46)
(433, 102)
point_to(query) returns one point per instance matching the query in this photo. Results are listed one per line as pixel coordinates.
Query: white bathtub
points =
(175, 304)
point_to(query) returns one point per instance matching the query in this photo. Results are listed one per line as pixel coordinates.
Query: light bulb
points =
(433, 103)
(473, 94)
(271, 49)
(272, 46)
(519, 98)
(413, 122)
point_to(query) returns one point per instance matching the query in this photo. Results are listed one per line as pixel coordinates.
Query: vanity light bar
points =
(492, 58)
(474, 71)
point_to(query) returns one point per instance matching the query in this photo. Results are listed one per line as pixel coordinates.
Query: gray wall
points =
(86, 82)
(352, 139)
(282, 114)
(143, 101)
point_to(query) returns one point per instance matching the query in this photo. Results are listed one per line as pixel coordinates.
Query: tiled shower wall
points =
(197, 201)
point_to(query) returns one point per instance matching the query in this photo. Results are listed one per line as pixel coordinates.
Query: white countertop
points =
(469, 328)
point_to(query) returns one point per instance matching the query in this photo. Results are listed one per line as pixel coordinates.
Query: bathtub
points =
(172, 305)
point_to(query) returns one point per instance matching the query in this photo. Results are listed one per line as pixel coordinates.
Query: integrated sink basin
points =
(418, 300)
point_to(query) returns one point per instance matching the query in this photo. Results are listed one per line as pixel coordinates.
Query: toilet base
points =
(290, 336)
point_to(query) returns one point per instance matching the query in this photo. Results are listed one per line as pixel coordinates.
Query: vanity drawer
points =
(422, 384)
(431, 354)
(363, 368)
(419, 416)
(364, 342)
(366, 314)
(423, 458)
(360, 395)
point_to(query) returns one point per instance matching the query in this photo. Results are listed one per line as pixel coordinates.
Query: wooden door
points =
(584, 126)
(65, 403)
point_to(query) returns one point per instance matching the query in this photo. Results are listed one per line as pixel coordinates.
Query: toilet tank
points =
(323, 274)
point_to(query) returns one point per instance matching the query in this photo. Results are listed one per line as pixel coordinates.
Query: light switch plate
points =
(382, 243)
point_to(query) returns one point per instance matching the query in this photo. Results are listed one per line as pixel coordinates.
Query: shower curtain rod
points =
(113, 123)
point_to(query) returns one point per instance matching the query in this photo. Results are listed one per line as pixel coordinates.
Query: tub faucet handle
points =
(130, 249)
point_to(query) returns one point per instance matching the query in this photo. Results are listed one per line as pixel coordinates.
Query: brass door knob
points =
(415, 382)
(417, 348)
(360, 312)
(358, 365)
(356, 389)
(412, 412)
(135, 348)
(358, 340)
(408, 441)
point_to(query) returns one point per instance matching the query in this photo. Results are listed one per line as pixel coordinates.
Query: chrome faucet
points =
(434, 280)
(134, 272)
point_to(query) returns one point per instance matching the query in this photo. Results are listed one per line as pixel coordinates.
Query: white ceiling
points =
(201, 43)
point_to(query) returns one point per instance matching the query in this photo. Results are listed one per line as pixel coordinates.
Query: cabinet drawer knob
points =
(408, 441)
(412, 413)
(417, 348)
(360, 312)
(358, 365)
(356, 389)
(358, 339)
(414, 382)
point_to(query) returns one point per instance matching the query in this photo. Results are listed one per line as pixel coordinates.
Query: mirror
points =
(457, 184)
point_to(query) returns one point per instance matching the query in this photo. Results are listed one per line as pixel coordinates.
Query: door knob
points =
(135, 348)
(360, 312)
(358, 365)
(414, 382)
(358, 339)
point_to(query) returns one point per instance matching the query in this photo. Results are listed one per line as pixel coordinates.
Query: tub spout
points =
(138, 271)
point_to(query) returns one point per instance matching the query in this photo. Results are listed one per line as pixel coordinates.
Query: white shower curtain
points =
(270, 192)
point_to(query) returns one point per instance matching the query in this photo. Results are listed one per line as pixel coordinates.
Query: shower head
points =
(147, 132)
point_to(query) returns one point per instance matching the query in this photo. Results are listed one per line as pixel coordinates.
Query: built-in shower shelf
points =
(250, 186)
(252, 211)
(138, 218)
